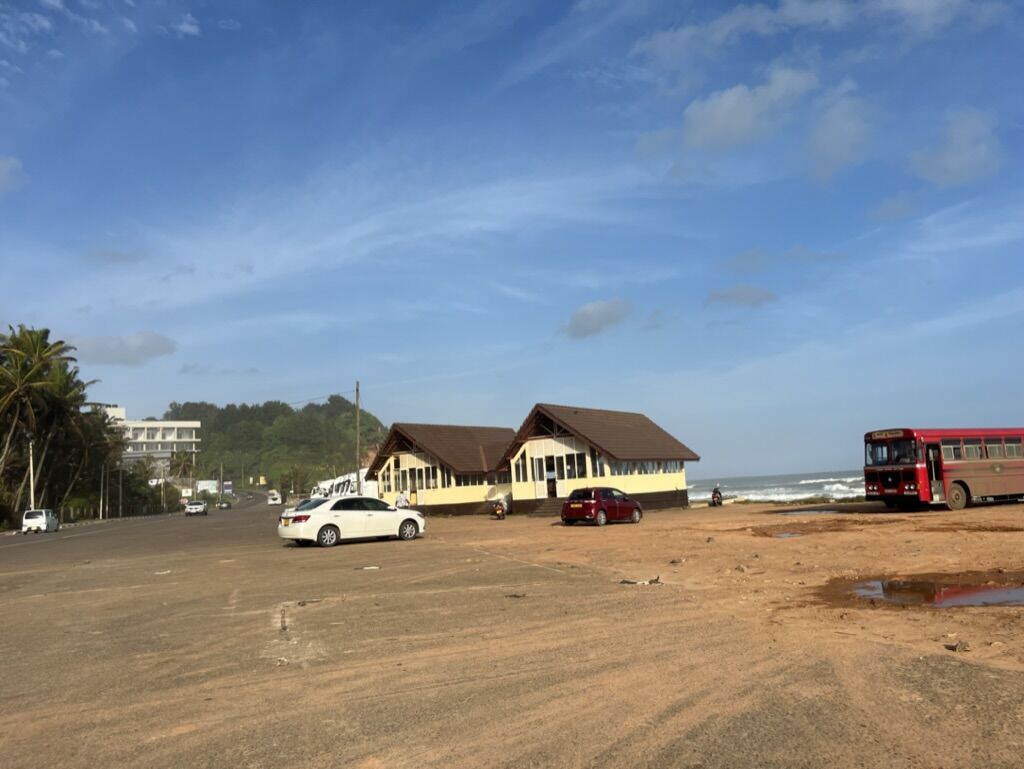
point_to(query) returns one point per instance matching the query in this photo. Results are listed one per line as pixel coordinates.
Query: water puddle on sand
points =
(949, 591)
(786, 535)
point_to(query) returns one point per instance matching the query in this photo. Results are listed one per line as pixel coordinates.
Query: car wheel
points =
(602, 518)
(328, 536)
(568, 523)
(408, 530)
(635, 517)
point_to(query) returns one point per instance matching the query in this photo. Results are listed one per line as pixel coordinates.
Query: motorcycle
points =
(716, 498)
(499, 511)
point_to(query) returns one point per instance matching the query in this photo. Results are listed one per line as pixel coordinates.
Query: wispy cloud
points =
(12, 174)
(970, 151)
(188, 26)
(840, 135)
(743, 114)
(597, 317)
(742, 296)
(128, 350)
(892, 209)
(114, 256)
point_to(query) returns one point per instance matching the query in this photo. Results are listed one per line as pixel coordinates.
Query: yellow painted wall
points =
(456, 495)
(628, 484)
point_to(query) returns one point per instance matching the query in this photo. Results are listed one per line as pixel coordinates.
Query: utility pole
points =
(102, 470)
(120, 490)
(221, 497)
(31, 475)
(163, 499)
(359, 482)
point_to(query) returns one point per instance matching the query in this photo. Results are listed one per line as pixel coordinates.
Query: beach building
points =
(156, 439)
(443, 469)
(562, 448)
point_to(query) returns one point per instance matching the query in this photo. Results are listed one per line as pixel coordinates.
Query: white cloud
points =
(840, 136)
(741, 114)
(129, 25)
(36, 22)
(892, 209)
(57, 5)
(970, 151)
(129, 350)
(742, 296)
(187, 27)
(675, 48)
(55, 53)
(597, 317)
(229, 25)
(12, 174)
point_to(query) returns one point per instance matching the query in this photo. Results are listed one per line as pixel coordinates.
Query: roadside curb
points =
(93, 521)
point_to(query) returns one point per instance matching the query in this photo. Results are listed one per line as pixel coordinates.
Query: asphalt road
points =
(207, 642)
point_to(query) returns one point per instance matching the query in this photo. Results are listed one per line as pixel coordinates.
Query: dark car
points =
(223, 505)
(599, 506)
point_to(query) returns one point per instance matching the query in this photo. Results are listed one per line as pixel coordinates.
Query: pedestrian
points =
(402, 501)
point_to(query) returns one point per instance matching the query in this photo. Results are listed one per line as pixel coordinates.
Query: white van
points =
(39, 520)
(273, 497)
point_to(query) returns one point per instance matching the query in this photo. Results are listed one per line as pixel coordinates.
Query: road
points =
(207, 642)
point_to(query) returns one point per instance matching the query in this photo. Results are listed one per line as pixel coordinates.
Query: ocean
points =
(836, 484)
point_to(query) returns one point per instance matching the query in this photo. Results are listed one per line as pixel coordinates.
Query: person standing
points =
(402, 501)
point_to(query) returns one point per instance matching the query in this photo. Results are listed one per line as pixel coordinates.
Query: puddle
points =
(936, 591)
(786, 535)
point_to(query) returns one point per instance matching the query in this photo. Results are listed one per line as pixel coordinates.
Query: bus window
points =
(1013, 448)
(994, 448)
(972, 449)
(876, 453)
(951, 449)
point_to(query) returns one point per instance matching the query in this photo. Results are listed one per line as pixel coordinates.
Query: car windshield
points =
(34, 514)
(581, 494)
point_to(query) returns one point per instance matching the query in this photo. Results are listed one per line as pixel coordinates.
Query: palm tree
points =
(27, 357)
(182, 464)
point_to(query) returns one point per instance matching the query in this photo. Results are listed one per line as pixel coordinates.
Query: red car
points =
(599, 506)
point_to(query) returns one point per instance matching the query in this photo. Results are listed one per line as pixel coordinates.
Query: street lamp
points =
(31, 471)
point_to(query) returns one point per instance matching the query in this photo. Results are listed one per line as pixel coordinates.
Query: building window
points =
(504, 476)
(521, 476)
(538, 469)
(1013, 447)
(598, 462)
(560, 468)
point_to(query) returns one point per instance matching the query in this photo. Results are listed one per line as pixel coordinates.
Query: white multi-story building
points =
(156, 439)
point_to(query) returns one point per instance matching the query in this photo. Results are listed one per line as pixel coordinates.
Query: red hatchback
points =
(599, 506)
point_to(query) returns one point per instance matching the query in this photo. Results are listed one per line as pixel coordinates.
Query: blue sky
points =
(771, 226)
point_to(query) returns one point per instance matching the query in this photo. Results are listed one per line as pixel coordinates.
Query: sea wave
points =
(810, 481)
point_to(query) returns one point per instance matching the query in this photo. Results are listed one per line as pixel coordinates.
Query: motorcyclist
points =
(716, 496)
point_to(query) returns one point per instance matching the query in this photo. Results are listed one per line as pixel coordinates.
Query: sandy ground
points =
(169, 642)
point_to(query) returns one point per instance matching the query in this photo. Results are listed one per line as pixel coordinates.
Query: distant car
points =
(599, 506)
(39, 520)
(223, 505)
(196, 508)
(328, 521)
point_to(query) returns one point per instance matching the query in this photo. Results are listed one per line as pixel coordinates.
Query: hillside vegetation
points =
(293, 448)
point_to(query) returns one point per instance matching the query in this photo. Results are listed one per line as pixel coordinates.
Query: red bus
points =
(907, 468)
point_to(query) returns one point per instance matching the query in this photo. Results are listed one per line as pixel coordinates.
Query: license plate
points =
(285, 521)
(576, 504)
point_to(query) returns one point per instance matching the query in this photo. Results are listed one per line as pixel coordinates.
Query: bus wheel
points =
(957, 498)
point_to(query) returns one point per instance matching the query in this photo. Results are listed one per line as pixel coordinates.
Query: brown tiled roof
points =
(462, 448)
(620, 435)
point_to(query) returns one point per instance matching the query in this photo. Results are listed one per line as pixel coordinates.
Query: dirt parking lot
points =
(206, 642)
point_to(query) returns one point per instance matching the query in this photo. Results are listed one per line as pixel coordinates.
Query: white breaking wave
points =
(808, 482)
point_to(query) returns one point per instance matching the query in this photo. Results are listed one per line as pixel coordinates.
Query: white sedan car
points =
(328, 521)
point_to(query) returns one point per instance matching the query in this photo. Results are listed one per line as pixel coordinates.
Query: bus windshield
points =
(899, 452)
